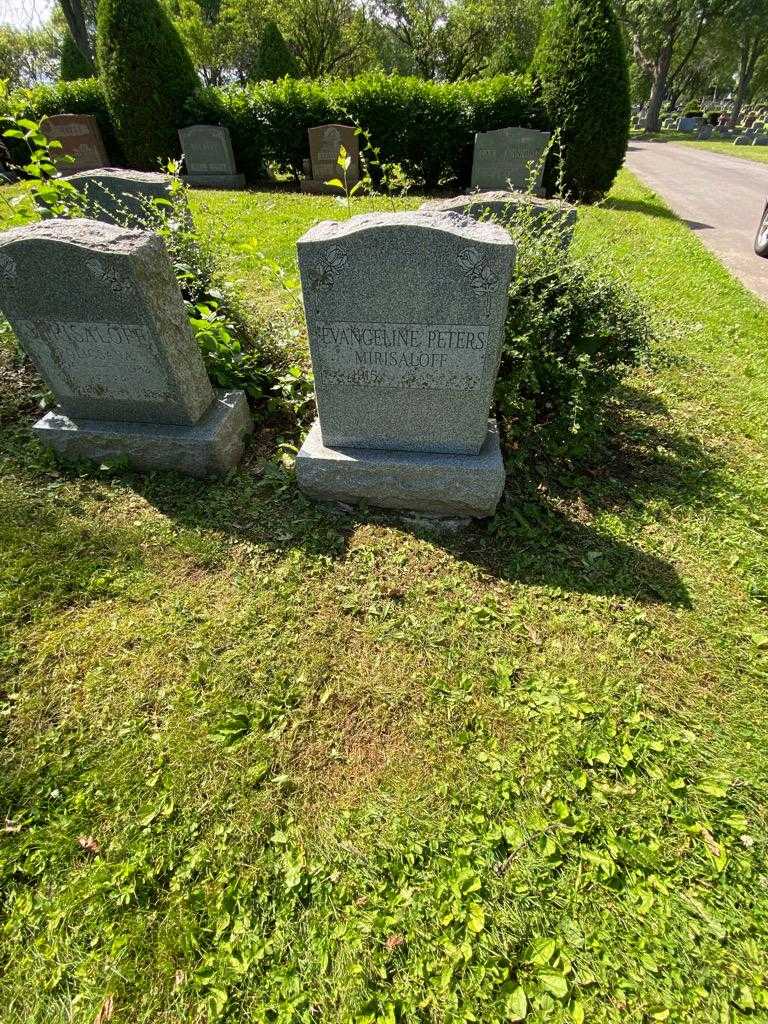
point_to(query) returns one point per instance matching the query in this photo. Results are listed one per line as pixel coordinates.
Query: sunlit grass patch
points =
(265, 760)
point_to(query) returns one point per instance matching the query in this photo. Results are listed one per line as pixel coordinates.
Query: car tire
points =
(761, 238)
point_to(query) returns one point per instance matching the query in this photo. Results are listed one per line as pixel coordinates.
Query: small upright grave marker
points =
(325, 143)
(502, 206)
(98, 309)
(80, 139)
(116, 196)
(508, 157)
(208, 157)
(405, 313)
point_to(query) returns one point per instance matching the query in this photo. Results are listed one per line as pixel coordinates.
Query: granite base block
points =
(209, 448)
(441, 485)
(233, 182)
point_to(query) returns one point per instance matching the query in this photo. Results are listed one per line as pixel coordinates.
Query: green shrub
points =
(426, 127)
(84, 96)
(571, 335)
(147, 77)
(581, 67)
(274, 60)
(73, 64)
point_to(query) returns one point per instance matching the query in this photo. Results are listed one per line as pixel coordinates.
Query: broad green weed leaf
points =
(517, 1005)
(577, 1012)
(541, 951)
(554, 983)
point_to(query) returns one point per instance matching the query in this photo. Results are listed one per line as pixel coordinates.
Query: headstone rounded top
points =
(430, 220)
(496, 197)
(123, 173)
(93, 235)
(325, 127)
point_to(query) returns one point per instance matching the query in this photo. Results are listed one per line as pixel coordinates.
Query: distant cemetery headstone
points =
(704, 132)
(405, 313)
(760, 140)
(688, 124)
(80, 139)
(208, 157)
(743, 140)
(502, 206)
(505, 158)
(325, 142)
(117, 196)
(98, 309)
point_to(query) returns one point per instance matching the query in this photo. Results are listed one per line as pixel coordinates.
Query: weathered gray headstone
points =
(508, 158)
(119, 196)
(688, 124)
(325, 142)
(705, 132)
(502, 206)
(98, 309)
(405, 314)
(744, 140)
(760, 140)
(208, 157)
(80, 139)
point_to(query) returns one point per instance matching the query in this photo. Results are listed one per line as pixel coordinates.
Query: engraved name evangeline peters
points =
(456, 349)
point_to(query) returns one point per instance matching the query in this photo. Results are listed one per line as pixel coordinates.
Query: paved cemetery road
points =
(719, 197)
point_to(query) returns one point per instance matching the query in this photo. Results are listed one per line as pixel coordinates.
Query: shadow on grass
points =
(543, 533)
(650, 209)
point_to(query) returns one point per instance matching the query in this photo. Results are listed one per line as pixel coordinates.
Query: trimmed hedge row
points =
(83, 96)
(427, 127)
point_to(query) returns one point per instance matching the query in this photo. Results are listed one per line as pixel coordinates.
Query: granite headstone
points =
(405, 314)
(80, 139)
(502, 207)
(325, 142)
(118, 196)
(208, 157)
(509, 158)
(98, 309)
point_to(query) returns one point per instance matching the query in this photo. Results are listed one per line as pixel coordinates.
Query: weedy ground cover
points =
(266, 761)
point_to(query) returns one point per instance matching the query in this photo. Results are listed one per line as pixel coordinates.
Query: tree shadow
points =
(544, 533)
(638, 206)
(548, 529)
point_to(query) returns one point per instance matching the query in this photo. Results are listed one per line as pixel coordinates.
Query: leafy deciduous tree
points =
(665, 35)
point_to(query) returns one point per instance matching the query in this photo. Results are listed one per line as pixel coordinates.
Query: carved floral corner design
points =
(109, 276)
(7, 267)
(324, 275)
(482, 278)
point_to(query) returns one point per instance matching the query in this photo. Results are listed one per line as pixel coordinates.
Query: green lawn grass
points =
(266, 761)
(757, 154)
